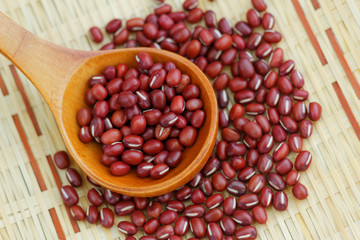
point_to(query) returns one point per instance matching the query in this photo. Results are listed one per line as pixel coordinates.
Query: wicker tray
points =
(322, 36)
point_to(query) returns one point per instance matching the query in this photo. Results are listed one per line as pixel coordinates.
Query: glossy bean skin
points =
(248, 232)
(73, 177)
(303, 160)
(77, 213)
(299, 191)
(106, 217)
(197, 227)
(127, 228)
(61, 159)
(280, 201)
(69, 195)
(92, 214)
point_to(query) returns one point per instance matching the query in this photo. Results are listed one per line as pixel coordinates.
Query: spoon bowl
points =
(61, 76)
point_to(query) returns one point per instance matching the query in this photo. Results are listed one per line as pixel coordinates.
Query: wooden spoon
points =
(61, 76)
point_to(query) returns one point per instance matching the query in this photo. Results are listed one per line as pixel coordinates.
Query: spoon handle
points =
(48, 66)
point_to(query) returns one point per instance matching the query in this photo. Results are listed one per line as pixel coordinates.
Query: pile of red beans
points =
(250, 168)
(142, 116)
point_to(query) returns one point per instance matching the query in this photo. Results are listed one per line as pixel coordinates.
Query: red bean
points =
(300, 95)
(253, 130)
(135, 24)
(213, 215)
(235, 187)
(253, 18)
(108, 46)
(228, 226)
(165, 22)
(69, 195)
(270, 79)
(121, 36)
(248, 233)
(168, 217)
(127, 228)
(214, 231)
(259, 214)
(265, 144)
(196, 180)
(206, 187)
(194, 211)
(256, 183)
(77, 213)
(213, 69)
(249, 142)
(279, 133)
(210, 18)
(281, 151)
(73, 177)
(259, 5)
(197, 197)
(92, 214)
(246, 174)
(299, 191)
(227, 170)
(197, 227)
(119, 168)
(280, 201)
(228, 56)
(150, 30)
(292, 177)
(265, 164)
(179, 16)
(289, 124)
(284, 166)
(95, 197)
(295, 143)
(285, 105)
(162, 9)
(254, 109)
(181, 226)
(253, 41)
(151, 226)
(262, 67)
(240, 122)
(303, 160)
(195, 15)
(188, 136)
(132, 157)
(266, 196)
(138, 218)
(314, 111)
(61, 160)
(305, 128)
(159, 170)
(154, 209)
(224, 26)
(246, 69)
(219, 182)
(272, 36)
(110, 197)
(243, 29)
(299, 111)
(242, 217)
(96, 34)
(275, 181)
(143, 169)
(106, 217)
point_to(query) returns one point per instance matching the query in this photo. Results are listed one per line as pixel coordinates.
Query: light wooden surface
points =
(322, 36)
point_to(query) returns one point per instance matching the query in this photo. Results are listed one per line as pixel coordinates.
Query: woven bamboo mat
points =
(322, 36)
